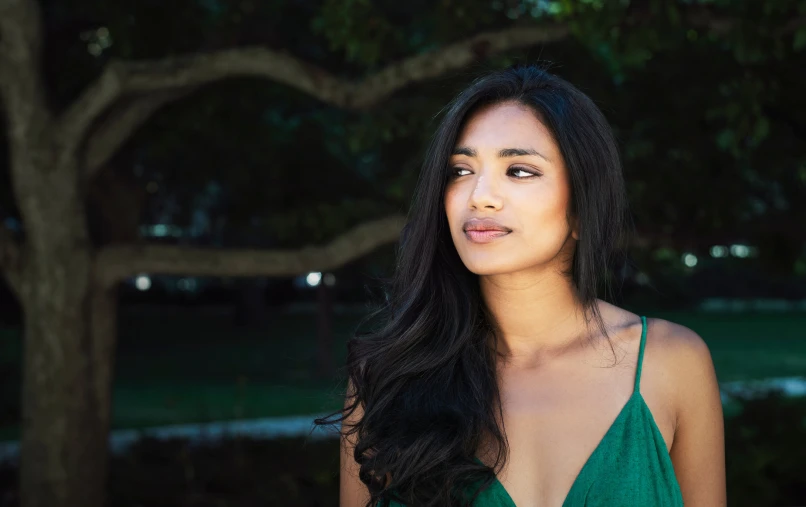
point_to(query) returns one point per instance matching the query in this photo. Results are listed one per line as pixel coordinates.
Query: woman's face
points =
(506, 167)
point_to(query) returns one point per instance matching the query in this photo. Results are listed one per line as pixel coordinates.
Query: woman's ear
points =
(575, 228)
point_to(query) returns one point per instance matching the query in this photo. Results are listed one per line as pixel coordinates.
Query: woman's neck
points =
(537, 316)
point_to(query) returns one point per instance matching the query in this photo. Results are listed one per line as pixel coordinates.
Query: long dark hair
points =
(425, 375)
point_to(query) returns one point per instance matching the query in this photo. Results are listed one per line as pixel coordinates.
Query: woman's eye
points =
(521, 173)
(517, 172)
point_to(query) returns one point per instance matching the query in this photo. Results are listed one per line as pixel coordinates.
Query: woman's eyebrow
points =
(506, 152)
(518, 152)
(464, 150)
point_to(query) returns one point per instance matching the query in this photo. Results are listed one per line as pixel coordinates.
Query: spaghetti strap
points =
(640, 354)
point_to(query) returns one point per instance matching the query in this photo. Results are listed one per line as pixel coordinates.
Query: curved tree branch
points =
(171, 74)
(116, 263)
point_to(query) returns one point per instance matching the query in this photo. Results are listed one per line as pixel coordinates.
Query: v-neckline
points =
(634, 396)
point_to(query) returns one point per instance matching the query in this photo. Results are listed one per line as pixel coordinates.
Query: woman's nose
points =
(485, 194)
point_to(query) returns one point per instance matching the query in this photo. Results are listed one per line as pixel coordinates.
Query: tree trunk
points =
(67, 351)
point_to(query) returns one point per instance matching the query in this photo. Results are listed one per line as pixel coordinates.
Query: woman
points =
(496, 377)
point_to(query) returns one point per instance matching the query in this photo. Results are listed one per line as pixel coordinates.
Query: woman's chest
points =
(554, 425)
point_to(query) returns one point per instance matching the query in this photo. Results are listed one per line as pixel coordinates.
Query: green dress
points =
(630, 466)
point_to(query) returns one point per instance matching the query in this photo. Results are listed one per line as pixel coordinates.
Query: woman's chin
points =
(486, 268)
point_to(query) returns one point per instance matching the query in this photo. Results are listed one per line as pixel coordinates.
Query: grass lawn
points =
(750, 346)
(174, 367)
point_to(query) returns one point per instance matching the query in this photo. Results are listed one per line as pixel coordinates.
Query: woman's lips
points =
(484, 236)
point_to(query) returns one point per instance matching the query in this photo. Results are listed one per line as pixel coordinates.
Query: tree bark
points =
(68, 363)
(63, 417)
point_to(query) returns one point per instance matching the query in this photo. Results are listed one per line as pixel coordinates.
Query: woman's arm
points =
(352, 492)
(698, 448)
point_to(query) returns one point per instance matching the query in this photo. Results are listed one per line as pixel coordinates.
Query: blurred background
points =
(198, 198)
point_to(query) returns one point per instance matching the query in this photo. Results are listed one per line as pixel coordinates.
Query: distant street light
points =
(740, 251)
(313, 279)
(142, 282)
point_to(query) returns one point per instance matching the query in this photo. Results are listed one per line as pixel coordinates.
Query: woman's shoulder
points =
(672, 342)
(670, 338)
(677, 362)
(681, 357)
(678, 346)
